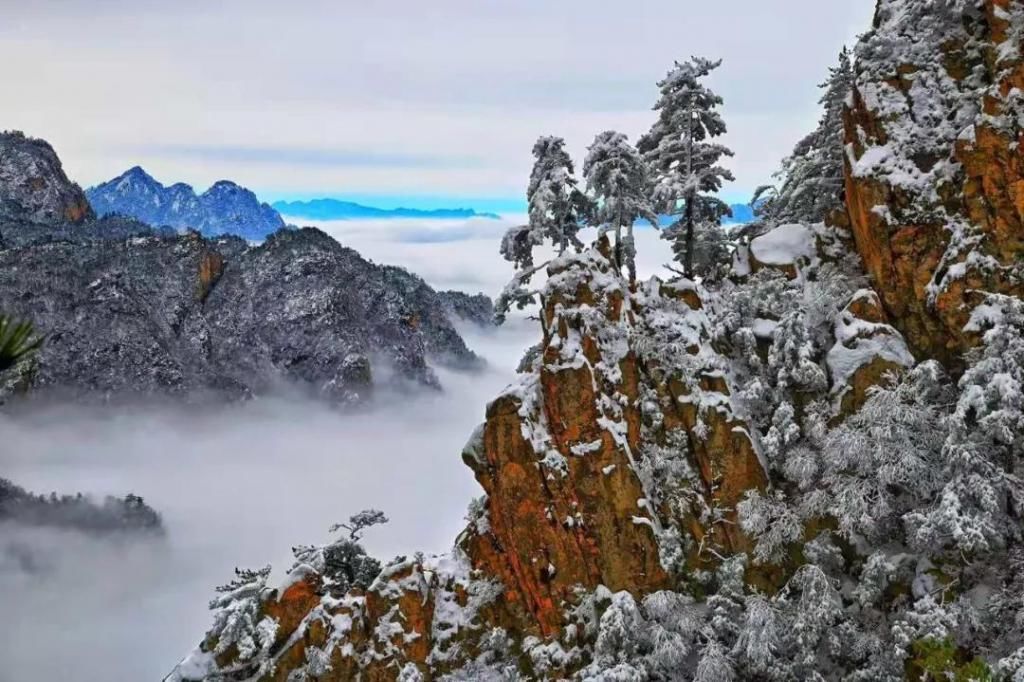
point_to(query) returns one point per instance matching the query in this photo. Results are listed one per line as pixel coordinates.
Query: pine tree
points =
(812, 176)
(556, 207)
(239, 622)
(978, 509)
(685, 162)
(617, 180)
(557, 211)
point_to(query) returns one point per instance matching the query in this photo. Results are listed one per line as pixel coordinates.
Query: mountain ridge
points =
(224, 208)
(338, 209)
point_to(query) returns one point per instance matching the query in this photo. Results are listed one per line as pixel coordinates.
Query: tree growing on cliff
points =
(239, 622)
(811, 178)
(556, 206)
(557, 210)
(684, 160)
(616, 177)
(978, 509)
(344, 563)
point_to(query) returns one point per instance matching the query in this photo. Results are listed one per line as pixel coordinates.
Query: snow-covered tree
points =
(684, 161)
(557, 210)
(616, 176)
(883, 461)
(556, 206)
(344, 563)
(238, 623)
(979, 507)
(811, 178)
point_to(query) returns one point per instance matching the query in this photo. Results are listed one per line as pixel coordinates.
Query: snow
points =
(859, 342)
(763, 329)
(784, 245)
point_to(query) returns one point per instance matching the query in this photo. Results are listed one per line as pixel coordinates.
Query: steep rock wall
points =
(935, 177)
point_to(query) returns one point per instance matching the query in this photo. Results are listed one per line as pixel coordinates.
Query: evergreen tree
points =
(617, 179)
(556, 207)
(812, 176)
(557, 210)
(685, 162)
(344, 563)
(17, 341)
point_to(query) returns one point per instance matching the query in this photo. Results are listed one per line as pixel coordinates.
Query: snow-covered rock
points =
(33, 186)
(225, 208)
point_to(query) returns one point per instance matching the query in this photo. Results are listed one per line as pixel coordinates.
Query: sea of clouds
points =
(240, 486)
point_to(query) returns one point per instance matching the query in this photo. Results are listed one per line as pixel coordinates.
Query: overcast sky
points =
(405, 99)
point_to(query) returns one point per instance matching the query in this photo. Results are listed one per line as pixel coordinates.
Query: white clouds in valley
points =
(236, 487)
(240, 486)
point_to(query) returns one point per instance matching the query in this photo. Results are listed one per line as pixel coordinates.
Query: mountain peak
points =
(36, 187)
(224, 208)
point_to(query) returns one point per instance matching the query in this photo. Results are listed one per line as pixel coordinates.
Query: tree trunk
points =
(632, 255)
(688, 261)
(618, 248)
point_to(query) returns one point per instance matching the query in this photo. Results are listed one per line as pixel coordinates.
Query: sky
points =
(403, 102)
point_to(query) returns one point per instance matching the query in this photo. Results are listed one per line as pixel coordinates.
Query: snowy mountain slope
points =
(224, 208)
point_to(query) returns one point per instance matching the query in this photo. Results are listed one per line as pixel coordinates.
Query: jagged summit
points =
(224, 208)
(33, 186)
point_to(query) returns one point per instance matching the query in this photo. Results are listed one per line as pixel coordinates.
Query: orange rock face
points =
(927, 254)
(573, 502)
(570, 509)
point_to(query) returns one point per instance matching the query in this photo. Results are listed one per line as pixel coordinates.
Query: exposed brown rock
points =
(868, 349)
(907, 249)
(566, 508)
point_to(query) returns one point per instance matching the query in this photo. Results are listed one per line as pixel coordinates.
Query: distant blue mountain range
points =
(225, 208)
(335, 209)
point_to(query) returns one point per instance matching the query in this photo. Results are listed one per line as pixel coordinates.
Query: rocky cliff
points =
(935, 181)
(224, 208)
(753, 478)
(608, 468)
(190, 317)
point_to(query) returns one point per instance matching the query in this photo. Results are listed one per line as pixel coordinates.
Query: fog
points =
(241, 485)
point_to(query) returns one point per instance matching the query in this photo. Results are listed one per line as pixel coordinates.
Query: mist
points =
(241, 485)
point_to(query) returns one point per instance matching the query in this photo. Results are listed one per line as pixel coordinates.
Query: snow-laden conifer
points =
(684, 161)
(617, 179)
(557, 209)
(811, 178)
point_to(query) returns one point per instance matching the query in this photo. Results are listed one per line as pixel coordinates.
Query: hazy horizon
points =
(408, 104)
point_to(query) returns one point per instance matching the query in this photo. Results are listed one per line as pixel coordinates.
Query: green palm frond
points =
(17, 341)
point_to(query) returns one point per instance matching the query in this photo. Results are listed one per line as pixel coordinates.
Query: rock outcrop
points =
(866, 351)
(224, 208)
(935, 178)
(33, 186)
(632, 526)
(611, 465)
